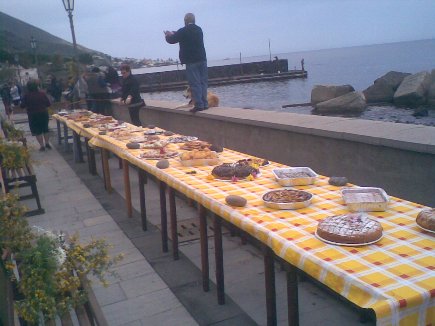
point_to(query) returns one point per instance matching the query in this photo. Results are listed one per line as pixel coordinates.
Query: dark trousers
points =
(134, 114)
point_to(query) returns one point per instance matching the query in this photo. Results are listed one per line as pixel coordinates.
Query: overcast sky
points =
(134, 28)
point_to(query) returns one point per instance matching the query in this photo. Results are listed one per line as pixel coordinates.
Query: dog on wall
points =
(212, 98)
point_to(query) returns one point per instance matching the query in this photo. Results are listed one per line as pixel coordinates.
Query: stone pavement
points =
(152, 288)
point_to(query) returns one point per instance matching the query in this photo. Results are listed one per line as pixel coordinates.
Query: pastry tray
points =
(288, 205)
(297, 181)
(365, 199)
(200, 162)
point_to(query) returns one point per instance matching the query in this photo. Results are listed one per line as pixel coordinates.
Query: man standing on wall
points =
(192, 54)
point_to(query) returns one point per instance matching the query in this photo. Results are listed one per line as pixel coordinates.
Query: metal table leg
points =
(106, 170)
(292, 296)
(77, 148)
(269, 278)
(65, 138)
(59, 137)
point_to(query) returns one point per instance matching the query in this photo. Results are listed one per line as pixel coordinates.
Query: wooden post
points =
(204, 249)
(59, 131)
(292, 296)
(143, 211)
(218, 252)
(106, 171)
(173, 217)
(127, 189)
(269, 278)
(163, 216)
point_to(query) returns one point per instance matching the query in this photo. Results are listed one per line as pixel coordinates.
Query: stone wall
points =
(399, 158)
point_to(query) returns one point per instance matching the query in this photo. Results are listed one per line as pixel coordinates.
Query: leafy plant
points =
(12, 132)
(13, 155)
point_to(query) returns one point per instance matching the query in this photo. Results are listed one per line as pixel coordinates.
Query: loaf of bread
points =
(426, 219)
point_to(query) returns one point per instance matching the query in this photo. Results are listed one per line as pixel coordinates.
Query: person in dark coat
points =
(36, 102)
(192, 54)
(113, 81)
(97, 91)
(130, 95)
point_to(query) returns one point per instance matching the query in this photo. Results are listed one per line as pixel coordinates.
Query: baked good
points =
(195, 144)
(426, 219)
(198, 154)
(286, 196)
(227, 171)
(353, 228)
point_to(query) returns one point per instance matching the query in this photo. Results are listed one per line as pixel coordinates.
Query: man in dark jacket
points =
(192, 54)
(131, 95)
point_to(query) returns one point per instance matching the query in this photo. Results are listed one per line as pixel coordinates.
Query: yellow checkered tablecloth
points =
(395, 276)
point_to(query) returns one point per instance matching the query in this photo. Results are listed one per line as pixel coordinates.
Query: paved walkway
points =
(152, 288)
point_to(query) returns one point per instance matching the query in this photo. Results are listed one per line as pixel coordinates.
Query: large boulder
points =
(392, 78)
(348, 103)
(322, 93)
(384, 87)
(413, 89)
(380, 91)
(431, 91)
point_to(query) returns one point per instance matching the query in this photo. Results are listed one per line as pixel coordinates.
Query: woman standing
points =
(36, 102)
(130, 95)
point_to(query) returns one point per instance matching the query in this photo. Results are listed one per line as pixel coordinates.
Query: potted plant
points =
(13, 155)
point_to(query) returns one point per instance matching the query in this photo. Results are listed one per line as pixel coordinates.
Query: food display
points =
(119, 134)
(199, 158)
(229, 171)
(155, 154)
(426, 219)
(365, 199)
(349, 229)
(256, 161)
(287, 199)
(195, 144)
(143, 139)
(297, 176)
(181, 139)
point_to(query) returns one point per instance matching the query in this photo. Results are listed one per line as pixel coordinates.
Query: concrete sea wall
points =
(399, 158)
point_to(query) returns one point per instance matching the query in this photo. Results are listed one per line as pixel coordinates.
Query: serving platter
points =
(347, 244)
(365, 199)
(424, 229)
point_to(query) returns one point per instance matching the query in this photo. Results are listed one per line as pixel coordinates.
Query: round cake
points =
(227, 171)
(349, 229)
(426, 219)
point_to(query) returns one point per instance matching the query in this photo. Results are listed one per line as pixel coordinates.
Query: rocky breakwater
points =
(396, 88)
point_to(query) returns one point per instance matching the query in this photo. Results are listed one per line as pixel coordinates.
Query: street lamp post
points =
(33, 47)
(69, 7)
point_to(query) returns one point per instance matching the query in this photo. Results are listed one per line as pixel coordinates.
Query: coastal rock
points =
(392, 79)
(322, 93)
(413, 89)
(431, 91)
(350, 102)
(380, 91)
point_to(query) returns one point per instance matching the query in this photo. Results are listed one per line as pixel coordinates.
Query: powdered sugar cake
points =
(349, 229)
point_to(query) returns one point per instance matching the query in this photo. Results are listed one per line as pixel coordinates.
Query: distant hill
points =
(15, 37)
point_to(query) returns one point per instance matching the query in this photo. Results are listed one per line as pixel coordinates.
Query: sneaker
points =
(195, 109)
(47, 146)
(42, 149)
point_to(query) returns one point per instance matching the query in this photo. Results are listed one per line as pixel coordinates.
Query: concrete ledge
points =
(397, 157)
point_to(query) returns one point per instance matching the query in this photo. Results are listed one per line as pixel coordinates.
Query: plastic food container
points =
(284, 176)
(365, 199)
(288, 204)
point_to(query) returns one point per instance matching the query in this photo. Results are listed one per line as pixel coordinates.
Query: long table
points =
(395, 276)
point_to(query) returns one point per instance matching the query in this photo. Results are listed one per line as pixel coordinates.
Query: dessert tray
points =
(143, 139)
(155, 154)
(181, 139)
(347, 244)
(297, 176)
(195, 144)
(365, 199)
(287, 199)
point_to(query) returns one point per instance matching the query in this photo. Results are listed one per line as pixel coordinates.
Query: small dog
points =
(212, 98)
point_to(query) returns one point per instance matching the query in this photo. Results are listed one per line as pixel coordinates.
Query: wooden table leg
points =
(173, 217)
(269, 278)
(163, 216)
(292, 296)
(106, 170)
(127, 189)
(65, 138)
(218, 252)
(143, 211)
(59, 131)
(204, 249)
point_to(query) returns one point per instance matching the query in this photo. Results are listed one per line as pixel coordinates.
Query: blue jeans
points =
(197, 76)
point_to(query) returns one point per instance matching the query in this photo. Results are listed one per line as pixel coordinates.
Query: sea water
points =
(357, 66)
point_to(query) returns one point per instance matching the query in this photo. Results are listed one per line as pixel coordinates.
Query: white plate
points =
(347, 244)
(424, 228)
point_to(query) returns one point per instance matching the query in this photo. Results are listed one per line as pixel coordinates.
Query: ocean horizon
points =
(358, 66)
